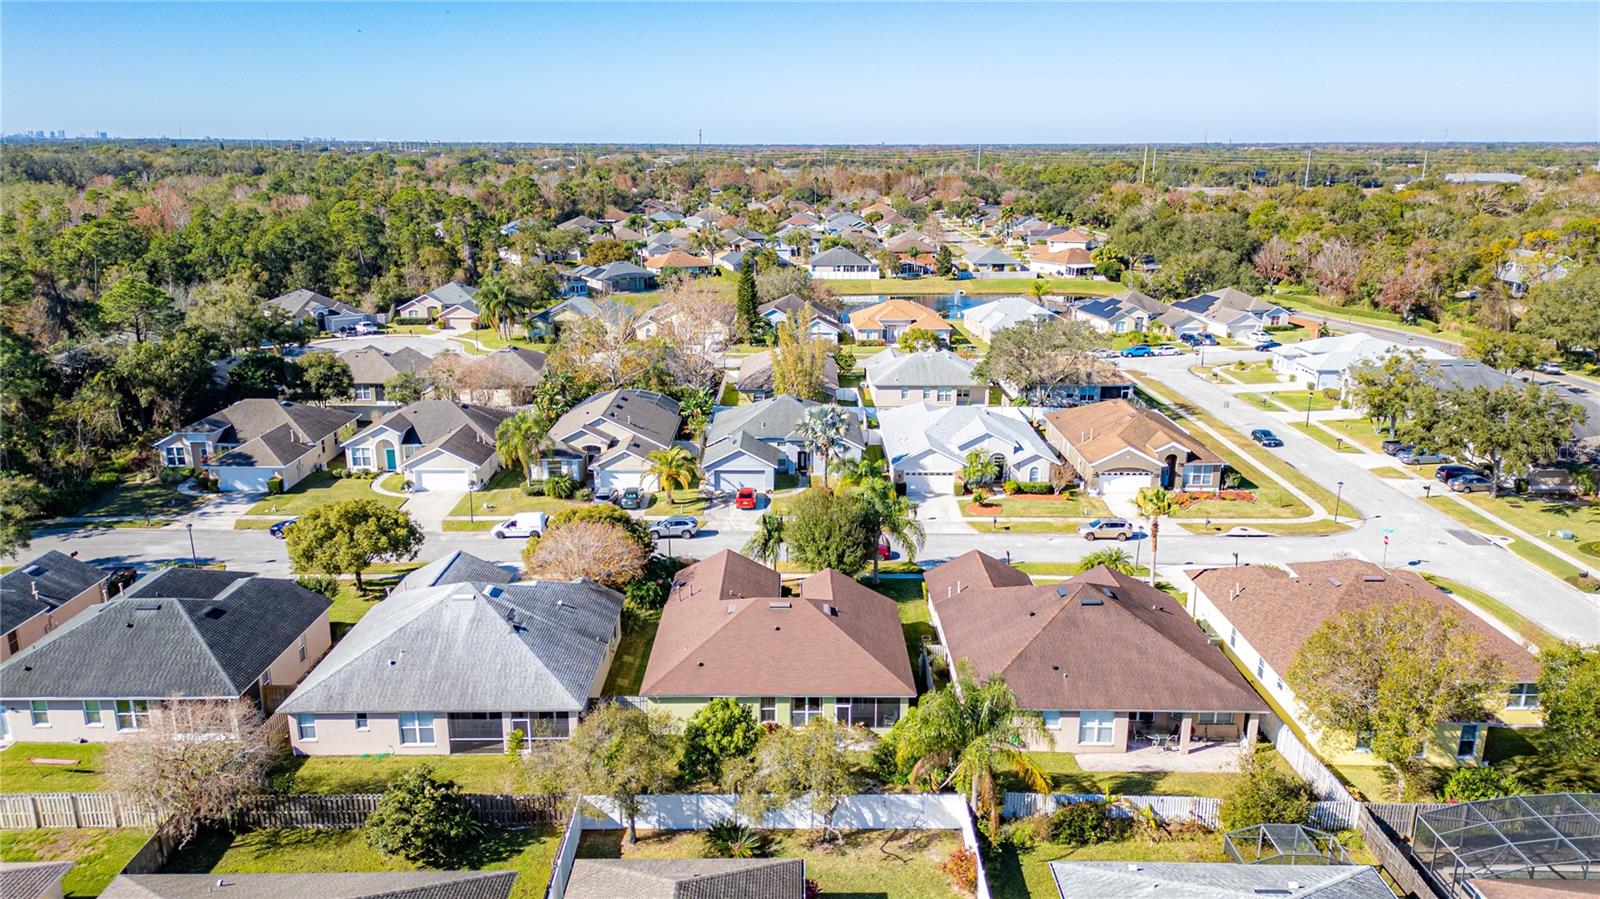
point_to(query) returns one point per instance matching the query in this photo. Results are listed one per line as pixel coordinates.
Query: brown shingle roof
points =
(1099, 430)
(1277, 611)
(726, 630)
(919, 315)
(1069, 256)
(755, 373)
(676, 259)
(1096, 641)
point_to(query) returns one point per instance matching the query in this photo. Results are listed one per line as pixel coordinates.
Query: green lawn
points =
(1390, 472)
(529, 852)
(18, 775)
(909, 598)
(320, 488)
(1075, 505)
(1296, 400)
(1323, 437)
(973, 286)
(899, 863)
(1067, 777)
(1374, 782)
(1359, 431)
(682, 502)
(487, 773)
(395, 481)
(149, 498)
(98, 855)
(633, 653)
(730, 395)
(1532, 552)
(1543, 517)
(1250, 372)
(351, 604)
(1026, 875)
(1319, 528)
(1497, 610)
(492, 339)
(503, 496)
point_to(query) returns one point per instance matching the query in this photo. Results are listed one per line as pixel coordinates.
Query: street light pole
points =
(1337, 496)
(193, 556)
(1311, 394)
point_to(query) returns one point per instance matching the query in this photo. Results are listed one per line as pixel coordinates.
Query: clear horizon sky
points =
(806, 73)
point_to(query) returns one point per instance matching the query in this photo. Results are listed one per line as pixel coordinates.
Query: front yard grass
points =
(1543, 517)
(19, 775)
(1330, 441)
(1076, 505)
(1390, 472)
(1249, 372)
(899, 863)
(682, 502)
(633, 652)
(1297, 399)
(145, 499)
(475, 773)
(503, 496)
(98, 855)
(529, 852)
(1026, 875)
(1359, 431)
(320, 488)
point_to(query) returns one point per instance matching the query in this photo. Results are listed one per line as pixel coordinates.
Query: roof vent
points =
(1032, 613)
(215, 612)
(780, 605)
(732, 607)
(147, 607)
(1091, 601)
(1372, 578)
(1106, 591)
(1335, 581)
(1061, 592)
(33, 571)
(830, 610)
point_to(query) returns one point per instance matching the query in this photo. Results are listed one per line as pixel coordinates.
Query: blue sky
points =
(807, 73)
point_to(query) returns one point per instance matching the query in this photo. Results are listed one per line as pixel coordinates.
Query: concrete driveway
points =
(427, 344)
(222, 511)
(432, 507)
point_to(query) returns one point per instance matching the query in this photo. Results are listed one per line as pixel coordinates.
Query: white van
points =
(523, 524)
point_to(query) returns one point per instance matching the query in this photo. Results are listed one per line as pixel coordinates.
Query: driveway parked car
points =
(745, 498)
(1138, 351)
(1166, 349)
(120, 578)
(1395, 447)
(633, 498)
(1549, 368)
(1257, 336)
(281, 528)
(1209, 339)
(523, 524)
(1470, 483)
(1265, 345)
(1104, 354)
(1266, 438)
(605, 496)
(1419, 456)
(681, 526)
(1105, 529)
(1448, 473)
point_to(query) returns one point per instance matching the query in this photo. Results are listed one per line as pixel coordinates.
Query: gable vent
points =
(1335, 581)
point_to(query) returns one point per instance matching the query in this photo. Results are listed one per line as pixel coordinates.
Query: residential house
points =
(1095, 383)
(503, 378)
(936, 377)
(582, 223)
(609, 438)
(928, 445)
(436, 444)
(833, 648)
(1217, 880)
(614, 315)
(42, 594)
(822, 323)
(748, 446)
(1326, 362)
(1072, 239)
(1068, 263)
(1230, 312)
(697, 878)
(985, 320)
(755, 377)
(617, 277)
(410, 678)
(452, 306)
(915, 265)
(990, 262)
(912, 242)
(663, 242)
(795, 241)
(1266, 613)
(372, 368)
(885, 322)
(1106, 659)
(698, 328)
(679, 261)
(323, 884)
(1119, 448)
(1121, 313)
(330, 315)
(253, 441)
(840, 222)
(1526, 268)
(842, 263)
(175, 635)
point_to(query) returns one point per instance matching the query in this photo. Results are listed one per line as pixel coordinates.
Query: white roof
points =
(1003, 313)
(1340, 352)
(954, 431)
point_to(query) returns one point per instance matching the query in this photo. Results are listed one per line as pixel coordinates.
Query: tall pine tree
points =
(746, 306)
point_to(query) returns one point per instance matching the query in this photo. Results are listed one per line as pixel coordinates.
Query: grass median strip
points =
(1528, 550)
(1330, 441)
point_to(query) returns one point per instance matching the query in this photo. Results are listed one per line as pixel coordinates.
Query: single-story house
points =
(411, 677)
(1266, 613)
(885, 322)
(840, 222)
(663, 319)
(985, 320)
(372, 368)
(631, 878)
(252, 441)
(582, 223)
(678, 260)
(822, 322)
(993, 263)
(748, 446)
(328, 885)
(1120, 448)
(329, 314)
(451, 305)
(935, 377)
(1231, 312)
(178, 634)
(42, 594)
(833, 648)
(1106, 659)
(609, 437)
(503, 378)
(1121, 313)
(1069, 263)
(1326, 361)
(927, 445)
(1096, 383)
(1072, 239)
(615, 315)
(755, 378)
(842, 264)
(436, 444)
(1526, 268)
(1217, 880)
(617, 277)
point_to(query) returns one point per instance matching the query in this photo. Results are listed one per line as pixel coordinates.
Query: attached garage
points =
(244, 480)
(733, 480)
(929, 483)
(621, 480)
(423, 480)
(1124, 483)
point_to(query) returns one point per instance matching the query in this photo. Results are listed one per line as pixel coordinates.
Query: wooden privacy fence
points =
(350, 810)
(1394, 855)
(25, 811)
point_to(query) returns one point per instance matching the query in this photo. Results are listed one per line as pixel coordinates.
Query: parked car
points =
(118, 579)
(1166, 349)
(681, 526)
(1448, 473)
(884, 552)
(1419, 456)
(1265, 345)
(1208, 339)
(1104, 354)
(1190, 339)
(1549, 367)
(522, 524)
(365, 329)
(633, 498)
(605, 496)
(745, 498)
(281, 528)
(1105, 529)
(1138, 351)
(1396, 447)
(1469, 483)
(1266, 438)
(1256, 337)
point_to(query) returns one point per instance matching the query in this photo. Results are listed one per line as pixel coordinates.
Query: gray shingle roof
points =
(1200, 880)
(302, 303)
(793, 306)
(653, 417)
(146, 647)
(28, 880)
(431, 421)
(185, 583)
(509, 367)
(770, 419)
(741, 443)
(702, 878)
(457, 568)
(426, 650)
(929, 368)
(838, 256)
(249, 419)
(755, 373)
(384, 885)
(43, 583)
(992, 256)
(370, 365)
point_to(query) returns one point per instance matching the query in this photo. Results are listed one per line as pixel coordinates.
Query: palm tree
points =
(673, 467)
(967, 733)
(1037, 288)
(496, 305)
(896, 517)
(980, 468)
(767, 540)
(519, 441)
(823, 428)
(1155, 503)
(1112, 558)
(866, 472)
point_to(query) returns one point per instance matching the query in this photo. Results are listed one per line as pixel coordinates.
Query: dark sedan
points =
(1266, 438)
(1448, 473)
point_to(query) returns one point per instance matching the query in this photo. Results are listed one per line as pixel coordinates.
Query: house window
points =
(963, 396)
(302, 647)
(365, 391)
(1033, 473)
(1467, 746)
(305, 727)
(803, 708)
(767, 712)
(1523, 696)
(13, 642)
(132, 714)
(926, 393)
(945, 395)
(175, 456)
(1213, 718)
(1096, 728)
(549, 726)
(91, 713)
(1233, 637)
(361, 722)
(360, 457)
(1261, 668)
(39, 713)
(416, 729)
(867, 711)
(1201, 477)
(905, 393)
(1052, 720)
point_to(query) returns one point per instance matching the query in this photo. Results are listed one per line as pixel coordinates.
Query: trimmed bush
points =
(275, 485)
(1473, 784)
(560, 486)
(1265, 795)
(319, 583)
(534, 488)
(1081, 824)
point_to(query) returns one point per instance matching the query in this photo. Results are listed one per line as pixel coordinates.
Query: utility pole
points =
(1424, 165)
(980, 159)
(1307, 182)
(1144, 159)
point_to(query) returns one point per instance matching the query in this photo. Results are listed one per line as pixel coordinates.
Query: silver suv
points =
(1105, 529)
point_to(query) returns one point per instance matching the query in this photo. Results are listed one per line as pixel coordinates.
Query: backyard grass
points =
(633, 652)
(1076, 505)
(972, 286)
(98, 855)
(18, 775)
(909, 598)
(1026, 875)
(1497, 610)
(1375, 783)
(145, 499)
(730, 396)
(1067, 777)
(529, 852)
(1330, 441)
(320, 488)
(486, 773)
(350, 604)
(899, 863)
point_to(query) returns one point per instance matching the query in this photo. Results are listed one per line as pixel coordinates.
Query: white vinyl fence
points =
(1198, 809)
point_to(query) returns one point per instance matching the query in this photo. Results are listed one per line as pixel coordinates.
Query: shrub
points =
(1035, 488)
(1012, 487)
(1231, 480)
(275, 485)
(534, 488)
(560, 486)
(421, 819)
(319, 583)
(728, 838)
(515, 741)
(1472, 784)
(962, 868)
(721, 729)
(1080, 824)
(583, 495)
(174, 475)
(1265, 795)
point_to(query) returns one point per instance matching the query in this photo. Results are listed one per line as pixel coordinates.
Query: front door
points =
(802, 461)
(388, 458)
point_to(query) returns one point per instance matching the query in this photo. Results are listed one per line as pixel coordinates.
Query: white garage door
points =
(1124, 483)
(437, 479)
(733, 480)
(929, 483)
(244, 480)
(619, 480)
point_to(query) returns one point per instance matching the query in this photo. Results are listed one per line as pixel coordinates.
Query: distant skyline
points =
(896, 73)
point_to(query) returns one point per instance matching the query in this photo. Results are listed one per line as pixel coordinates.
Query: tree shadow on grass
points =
(496, 846)
(201, 854)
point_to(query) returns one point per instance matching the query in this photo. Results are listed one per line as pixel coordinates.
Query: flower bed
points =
(1187, 499)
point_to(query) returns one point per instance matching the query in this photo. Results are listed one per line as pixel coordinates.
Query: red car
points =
(884, 552)
(745, 498)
